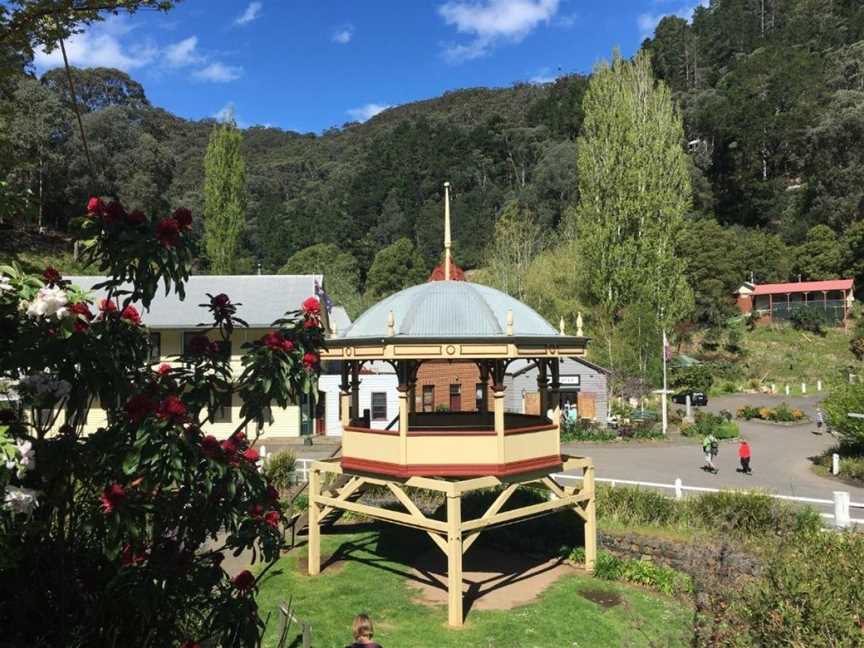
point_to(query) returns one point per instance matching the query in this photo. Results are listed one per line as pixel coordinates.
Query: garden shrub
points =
(845, 398)
(646, 573)
(709, 423)
(749, 514)
(808, 318)
(279, 469)
(780, 414)
(585, 431)
(810, 593)
(636, 506)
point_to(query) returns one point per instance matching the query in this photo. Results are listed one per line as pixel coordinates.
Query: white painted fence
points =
(841, 500)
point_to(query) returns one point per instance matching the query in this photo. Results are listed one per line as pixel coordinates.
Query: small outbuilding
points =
(778, 301)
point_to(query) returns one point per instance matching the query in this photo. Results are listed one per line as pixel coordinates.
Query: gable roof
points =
(261, 298)
(798, 287)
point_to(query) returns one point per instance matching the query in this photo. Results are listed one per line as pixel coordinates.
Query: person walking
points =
(744, 456)
(363, 631)
(820, 419)
(709, 451)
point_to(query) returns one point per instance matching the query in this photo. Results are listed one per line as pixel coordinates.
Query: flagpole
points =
(663, 409)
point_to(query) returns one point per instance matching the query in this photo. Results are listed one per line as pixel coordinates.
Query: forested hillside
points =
(771, 91)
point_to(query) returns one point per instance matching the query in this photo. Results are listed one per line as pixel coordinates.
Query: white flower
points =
(4, 284)
(27, 460)
(20, 500)
(48, 302)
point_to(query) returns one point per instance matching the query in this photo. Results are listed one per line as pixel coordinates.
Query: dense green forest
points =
(771, 93)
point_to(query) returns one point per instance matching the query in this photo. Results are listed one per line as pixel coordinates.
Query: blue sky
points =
(307, 66)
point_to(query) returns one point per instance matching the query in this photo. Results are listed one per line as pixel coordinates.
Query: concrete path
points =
(780, 455)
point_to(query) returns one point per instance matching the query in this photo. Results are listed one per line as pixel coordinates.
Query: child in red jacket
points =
(744, 456)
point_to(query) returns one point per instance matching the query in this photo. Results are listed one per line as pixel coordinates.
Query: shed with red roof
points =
(779, 300)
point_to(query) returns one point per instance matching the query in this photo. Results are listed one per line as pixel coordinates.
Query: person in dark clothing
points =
(744, 456)
(363, 632)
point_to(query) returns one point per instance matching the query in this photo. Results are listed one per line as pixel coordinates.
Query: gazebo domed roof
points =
(449, 309)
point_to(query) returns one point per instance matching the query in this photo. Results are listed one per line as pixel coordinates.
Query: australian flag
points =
(323, 297)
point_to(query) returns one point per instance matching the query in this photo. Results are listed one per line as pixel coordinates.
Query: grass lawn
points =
(370, 577)
(782, 355)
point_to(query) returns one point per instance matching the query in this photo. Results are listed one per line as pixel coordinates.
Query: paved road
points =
(780, 456)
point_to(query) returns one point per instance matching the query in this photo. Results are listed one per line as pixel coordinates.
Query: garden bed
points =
(780, 415)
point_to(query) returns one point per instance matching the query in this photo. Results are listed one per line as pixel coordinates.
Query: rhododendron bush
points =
(116, 538)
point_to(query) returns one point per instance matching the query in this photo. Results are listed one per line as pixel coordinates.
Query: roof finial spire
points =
(447, 241)
(561, 325)
(579, 324)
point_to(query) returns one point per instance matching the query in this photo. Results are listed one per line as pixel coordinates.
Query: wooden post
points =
(345, 405)
(403, 423)
(314, 533)
(498, 405)
(355, 391)
(454, 559)
(590, 519)
(542, 386)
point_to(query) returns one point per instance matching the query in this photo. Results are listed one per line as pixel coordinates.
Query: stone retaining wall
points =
(694, 559)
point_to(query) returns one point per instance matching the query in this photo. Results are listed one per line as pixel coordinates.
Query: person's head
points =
(362, 627)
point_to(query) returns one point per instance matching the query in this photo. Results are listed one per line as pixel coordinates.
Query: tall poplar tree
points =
(224, 197)
(634, 188)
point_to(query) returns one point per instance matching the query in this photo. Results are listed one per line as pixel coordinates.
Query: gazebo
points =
(452, 453)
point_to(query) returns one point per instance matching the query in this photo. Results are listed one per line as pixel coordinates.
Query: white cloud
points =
(368, 111)
(543, 76)
(251, 13)
(226, 112)
(343, 35)
(218, 73)
(100, 46)
(182, 53)
(492, 21)
(648, 22)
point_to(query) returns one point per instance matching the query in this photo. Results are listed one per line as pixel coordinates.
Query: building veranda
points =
(451, 453)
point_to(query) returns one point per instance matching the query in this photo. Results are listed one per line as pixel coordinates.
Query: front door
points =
(456, 398)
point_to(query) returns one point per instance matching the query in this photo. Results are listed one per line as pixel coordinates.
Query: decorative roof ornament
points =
(561, 325)
(578, 325)
(509, 322)
(447, 240)
(391, 324)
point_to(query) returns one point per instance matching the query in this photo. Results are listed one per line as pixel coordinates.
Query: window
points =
(428, 398)
(479, 391)
(155, 347)
(379, 406)
(456, 398)
(222, 413)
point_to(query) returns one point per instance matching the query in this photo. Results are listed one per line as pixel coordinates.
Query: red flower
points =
(83, 316)
(210, 446)
(113, 213)
(190, 644)
(131, 314)
(198, 344)
(310, 323)
(112, 497)
(107, 306)
(95, 206)
(140, 407)
(164, 369)
(276, 342)
(230, 446)
(220, 301)
(168, 232)
(171, 409)
(272, 519)
(183, 217)
(256, 510)
(136, 217)
(129, 557)
(51, 276)
(312, 307)
(310, 359)
(251, 455)
(244, 581)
